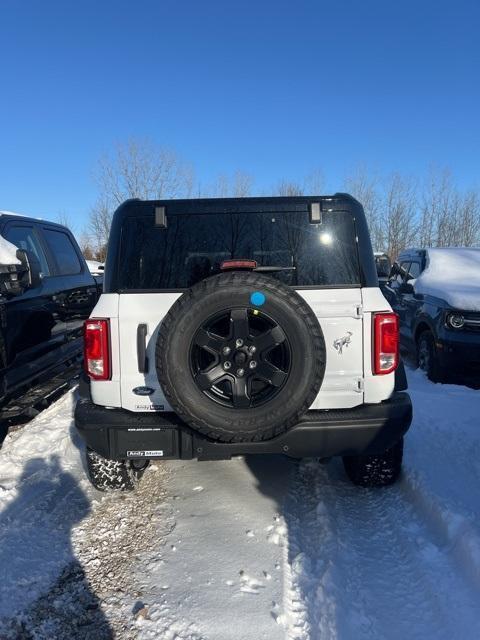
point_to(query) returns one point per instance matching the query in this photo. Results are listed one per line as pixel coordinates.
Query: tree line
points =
(402, 211)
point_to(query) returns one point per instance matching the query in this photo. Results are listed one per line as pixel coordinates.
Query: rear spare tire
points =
(240, 357)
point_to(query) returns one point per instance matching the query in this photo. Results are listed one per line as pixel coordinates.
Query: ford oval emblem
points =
(143, 391)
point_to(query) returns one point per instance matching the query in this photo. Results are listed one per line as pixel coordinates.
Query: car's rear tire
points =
(223, 389)
(427, 357)
(113, 475)
(379, 470)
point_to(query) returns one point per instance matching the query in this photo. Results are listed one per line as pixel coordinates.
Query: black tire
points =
(288, 393)
(113, 475)
(427, 358)
(378, 470)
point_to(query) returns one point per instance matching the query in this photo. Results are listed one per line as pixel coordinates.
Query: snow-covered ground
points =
(246, 549)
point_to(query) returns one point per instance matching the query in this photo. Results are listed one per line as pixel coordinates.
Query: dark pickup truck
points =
(44, 298)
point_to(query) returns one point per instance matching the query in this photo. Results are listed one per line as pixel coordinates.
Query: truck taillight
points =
(97, 349)
(385, 343)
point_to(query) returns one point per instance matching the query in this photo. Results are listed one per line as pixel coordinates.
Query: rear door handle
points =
(142, 348)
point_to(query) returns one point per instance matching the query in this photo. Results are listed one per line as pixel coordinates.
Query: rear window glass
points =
(192, 247)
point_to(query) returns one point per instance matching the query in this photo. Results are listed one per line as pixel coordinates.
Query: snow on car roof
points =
(452, 274)
(8, 252)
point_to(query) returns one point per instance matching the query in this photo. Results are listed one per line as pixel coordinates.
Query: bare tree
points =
(438, 209)
(65, 219)
(288, 188)
(136, 169)
(220, 188)
(398, 215)
(242, 184)
(239, 185)
(448, 217)
(140, 169)
(313, 183)
(99, 226)
(468, 223)
(366, 189)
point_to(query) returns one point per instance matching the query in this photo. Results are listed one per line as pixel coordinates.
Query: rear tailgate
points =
(339, 314)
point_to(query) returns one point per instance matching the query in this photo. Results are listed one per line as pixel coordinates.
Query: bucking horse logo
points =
(339, 343)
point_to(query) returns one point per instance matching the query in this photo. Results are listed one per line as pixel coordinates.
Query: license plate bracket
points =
(145, 442)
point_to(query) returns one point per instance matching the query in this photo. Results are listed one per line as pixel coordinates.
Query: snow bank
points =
(44, 494)
(65, 549)
(8, 252)
(452, 274)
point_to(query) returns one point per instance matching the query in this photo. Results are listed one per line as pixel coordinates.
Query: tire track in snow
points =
(457, 534)
(366, 564)
(309, 544)
(216, 575)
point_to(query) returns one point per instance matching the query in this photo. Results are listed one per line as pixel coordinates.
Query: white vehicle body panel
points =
(135, 309)
(337, 311)
(344, 315)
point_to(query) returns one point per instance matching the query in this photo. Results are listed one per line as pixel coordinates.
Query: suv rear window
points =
(192, 247)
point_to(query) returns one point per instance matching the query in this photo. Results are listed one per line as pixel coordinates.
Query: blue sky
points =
(275, 88)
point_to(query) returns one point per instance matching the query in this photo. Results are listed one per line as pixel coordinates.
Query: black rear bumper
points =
(119, 434)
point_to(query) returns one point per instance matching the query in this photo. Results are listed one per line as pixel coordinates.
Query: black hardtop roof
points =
(287, 204)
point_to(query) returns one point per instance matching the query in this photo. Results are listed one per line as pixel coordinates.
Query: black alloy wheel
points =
(240, 358)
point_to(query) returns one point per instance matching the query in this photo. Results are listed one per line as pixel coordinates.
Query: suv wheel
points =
(240, 357)
(427, 358)
(378, 470)
(114, 475)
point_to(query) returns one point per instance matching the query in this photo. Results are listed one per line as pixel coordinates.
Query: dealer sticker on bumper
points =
(145, 454)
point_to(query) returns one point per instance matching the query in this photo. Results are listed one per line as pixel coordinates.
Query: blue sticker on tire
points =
(257, 298)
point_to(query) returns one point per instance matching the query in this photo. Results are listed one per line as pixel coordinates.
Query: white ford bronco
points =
(240, 326)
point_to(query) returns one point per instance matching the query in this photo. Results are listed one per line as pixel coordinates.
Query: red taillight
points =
(385, 343)
(97, 349)
(238, 264)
